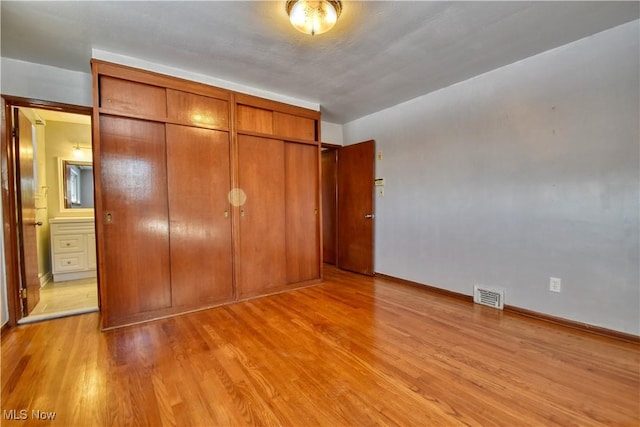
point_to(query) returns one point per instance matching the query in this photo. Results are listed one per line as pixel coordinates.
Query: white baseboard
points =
(75, 276)
(45, 278)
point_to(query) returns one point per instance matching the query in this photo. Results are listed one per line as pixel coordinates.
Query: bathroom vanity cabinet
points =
(73, 248)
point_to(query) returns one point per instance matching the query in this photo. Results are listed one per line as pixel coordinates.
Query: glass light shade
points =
(313, 16)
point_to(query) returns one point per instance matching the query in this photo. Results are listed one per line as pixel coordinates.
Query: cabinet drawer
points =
(68, 243)
(69, 262)
(72, 228)
(198, 110)
(127, 97)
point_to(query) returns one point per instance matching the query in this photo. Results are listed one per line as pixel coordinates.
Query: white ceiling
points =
(380, 53)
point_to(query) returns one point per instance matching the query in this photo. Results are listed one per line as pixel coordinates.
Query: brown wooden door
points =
(199, 215)
(27, 212)
(355, 207)
(329, 194)
(301, 212)
(261, 256)
(134, 217)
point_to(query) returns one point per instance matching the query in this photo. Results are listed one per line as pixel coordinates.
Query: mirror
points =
(76, 185)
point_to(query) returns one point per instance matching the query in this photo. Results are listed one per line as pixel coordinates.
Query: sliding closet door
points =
(261, 259)
(134, 216)
(302, 235)
(199, 215)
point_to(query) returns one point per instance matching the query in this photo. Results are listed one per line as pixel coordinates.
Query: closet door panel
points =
(290, 126)
(134, 217)
(252, 119)
(261, 257)
(132, 98)
(302, 234)
(199, 222)
(197, 110)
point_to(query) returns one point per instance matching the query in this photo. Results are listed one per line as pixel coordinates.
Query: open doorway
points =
(55, 251)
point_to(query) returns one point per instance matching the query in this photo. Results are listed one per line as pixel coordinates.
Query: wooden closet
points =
(204, 196)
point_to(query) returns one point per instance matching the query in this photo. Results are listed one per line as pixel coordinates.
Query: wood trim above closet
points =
(156, 79)
(268, 104)
(133, 99)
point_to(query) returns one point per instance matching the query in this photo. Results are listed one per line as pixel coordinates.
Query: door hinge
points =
(13, 132)
(23, 293)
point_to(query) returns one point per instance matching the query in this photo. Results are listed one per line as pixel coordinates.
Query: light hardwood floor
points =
(352, 351)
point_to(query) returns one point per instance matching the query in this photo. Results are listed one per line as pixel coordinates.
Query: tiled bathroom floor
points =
(63, 297)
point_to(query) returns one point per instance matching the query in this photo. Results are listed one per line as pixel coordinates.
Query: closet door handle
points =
(369, 216)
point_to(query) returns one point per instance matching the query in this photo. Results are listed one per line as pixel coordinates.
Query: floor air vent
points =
(490, 297)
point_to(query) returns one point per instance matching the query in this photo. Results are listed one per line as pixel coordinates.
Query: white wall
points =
(523, 173)
(30, 80)
(331, 133)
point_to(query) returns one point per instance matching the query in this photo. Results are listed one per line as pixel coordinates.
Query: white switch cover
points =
(555, 284)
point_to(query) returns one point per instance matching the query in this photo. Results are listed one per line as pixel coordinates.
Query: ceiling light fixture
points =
(77, 150)
(313, 16)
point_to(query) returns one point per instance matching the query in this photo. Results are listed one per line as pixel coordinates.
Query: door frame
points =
(9, 166)
(331, 148)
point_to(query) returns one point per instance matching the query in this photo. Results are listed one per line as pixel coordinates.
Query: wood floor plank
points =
(354, 350)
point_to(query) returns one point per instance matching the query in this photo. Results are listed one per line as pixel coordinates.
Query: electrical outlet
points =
(381, 192)
(379, 155)
(555, 284)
